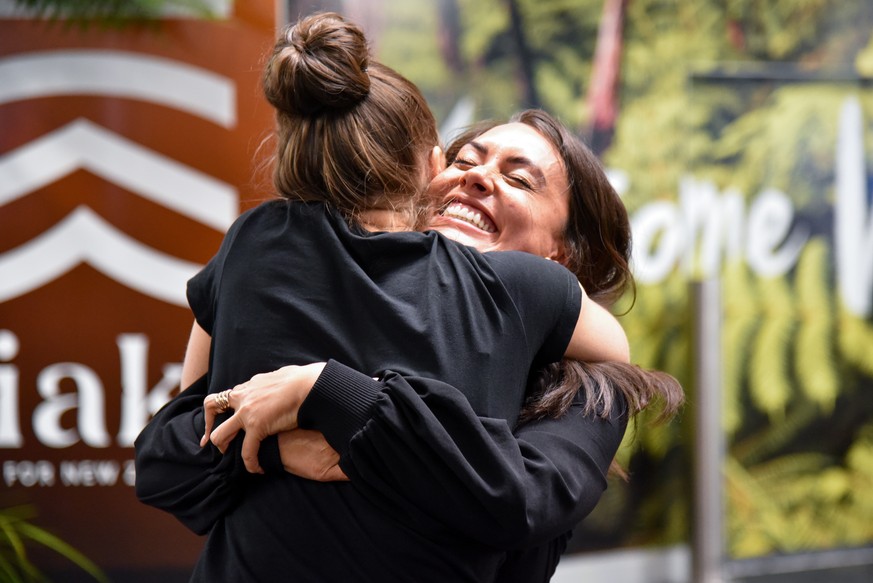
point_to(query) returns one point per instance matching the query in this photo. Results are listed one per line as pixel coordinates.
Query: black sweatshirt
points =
(478, 321)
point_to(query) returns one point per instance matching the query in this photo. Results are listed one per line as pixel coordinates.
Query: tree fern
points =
(740, 319)
(769, 377)
(814, 354)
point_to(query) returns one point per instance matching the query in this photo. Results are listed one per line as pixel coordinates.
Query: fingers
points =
(210, 411)
(224, 433)
(250, 447)
(214, 405)
(334, 474)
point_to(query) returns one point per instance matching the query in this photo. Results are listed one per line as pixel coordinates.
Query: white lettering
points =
(708, 227)
(29, 474)
(10, 429)
(658, 239)
(716, 220)
(89, 473)
(51, 417)
(770, 220)
(88, 398)
(129, 475)
(137, 406)
(853, 216)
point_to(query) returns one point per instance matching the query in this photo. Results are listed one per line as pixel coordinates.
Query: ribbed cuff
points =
(340, 403)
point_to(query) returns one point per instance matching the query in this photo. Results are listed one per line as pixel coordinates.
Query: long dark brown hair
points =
(597, 241)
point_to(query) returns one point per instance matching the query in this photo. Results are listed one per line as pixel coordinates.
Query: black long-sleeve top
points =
(250, 509)
(552, 471)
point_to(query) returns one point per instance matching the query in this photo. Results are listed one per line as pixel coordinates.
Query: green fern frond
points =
(771, 439)
(860, 458)
(814, 356)
(855, 339)
(788, 467)
(770, 383)
(741, 317)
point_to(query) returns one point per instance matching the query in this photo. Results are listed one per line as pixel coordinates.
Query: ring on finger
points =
(222, 399)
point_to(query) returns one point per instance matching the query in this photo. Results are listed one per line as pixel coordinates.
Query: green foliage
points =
(786, 378)
(777, 30)
(787, 142)
(410, 43)
(770, 385)
(793, 357)
(17, 532)
(560, 34)
(110, 12)
(800, 501)
(695, 100)
(814, 349)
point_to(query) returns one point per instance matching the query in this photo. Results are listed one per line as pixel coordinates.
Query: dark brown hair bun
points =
(319, 64)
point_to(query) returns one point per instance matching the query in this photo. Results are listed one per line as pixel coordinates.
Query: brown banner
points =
(125, 154)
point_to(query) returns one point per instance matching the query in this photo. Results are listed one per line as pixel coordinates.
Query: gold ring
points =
(222, 400)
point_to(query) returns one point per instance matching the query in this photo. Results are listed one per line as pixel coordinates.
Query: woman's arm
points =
(598, 335)
(264, 406)
(196, 362)
(174, 474)
(415, 445)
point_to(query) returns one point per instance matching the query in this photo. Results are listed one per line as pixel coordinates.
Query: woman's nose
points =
(478, 178)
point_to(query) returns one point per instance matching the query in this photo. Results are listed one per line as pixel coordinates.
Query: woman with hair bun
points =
(417, 446)
(330, 270)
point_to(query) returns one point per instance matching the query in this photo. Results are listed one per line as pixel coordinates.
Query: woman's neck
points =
(386, 220)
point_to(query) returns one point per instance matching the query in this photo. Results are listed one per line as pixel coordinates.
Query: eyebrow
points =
(537, 172)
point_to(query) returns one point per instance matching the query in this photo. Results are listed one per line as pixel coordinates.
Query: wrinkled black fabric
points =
(455, 471)
(293, 283)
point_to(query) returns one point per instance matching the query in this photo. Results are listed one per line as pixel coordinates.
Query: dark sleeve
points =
(534, 564)
(202, 289)
(416, 447)
(547, 297)
(173, 473)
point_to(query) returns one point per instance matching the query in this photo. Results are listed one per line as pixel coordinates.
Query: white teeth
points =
(467, 215)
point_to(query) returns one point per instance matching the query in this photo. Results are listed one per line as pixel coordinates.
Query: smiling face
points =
(506, 190)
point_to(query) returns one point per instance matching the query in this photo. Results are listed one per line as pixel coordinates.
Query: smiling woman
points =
(507, 189)
(595, 235)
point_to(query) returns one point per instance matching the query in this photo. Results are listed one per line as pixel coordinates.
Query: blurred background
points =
(739, 133)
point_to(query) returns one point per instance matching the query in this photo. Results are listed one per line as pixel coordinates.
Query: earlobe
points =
(559, 254)
(436, 161)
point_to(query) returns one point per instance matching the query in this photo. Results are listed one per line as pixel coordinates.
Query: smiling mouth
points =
(466, 214)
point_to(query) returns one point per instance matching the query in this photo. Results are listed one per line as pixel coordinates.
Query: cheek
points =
(549, 229)
(442, 184)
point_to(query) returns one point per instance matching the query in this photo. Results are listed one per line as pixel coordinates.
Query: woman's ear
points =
(559, 254)
(436, 162)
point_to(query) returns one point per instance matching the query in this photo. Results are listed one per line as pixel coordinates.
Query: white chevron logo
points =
(83, 144)
(84, 237)
(117, 74)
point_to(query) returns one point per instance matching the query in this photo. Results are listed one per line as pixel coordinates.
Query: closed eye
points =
(521, 181)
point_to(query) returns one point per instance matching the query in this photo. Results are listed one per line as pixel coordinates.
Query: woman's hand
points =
(307, 454)
(265, 405)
